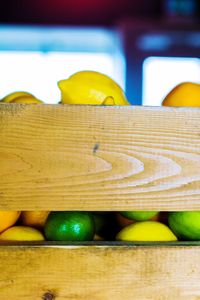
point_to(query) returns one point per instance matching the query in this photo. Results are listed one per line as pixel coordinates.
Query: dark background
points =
(77, 12)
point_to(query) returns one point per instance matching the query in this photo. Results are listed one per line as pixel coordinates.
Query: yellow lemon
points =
(109, 101)
(148, 231)
(26, 100)
(10, 97)
(34, 218)
(94, 88)
(21, 233)
(8, 219)
(184, 94)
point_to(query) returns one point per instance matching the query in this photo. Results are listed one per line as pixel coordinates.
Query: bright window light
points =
(161, 74)
(35, 58)
(38, 72)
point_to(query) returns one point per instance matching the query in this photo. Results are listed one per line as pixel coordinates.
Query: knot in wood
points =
(48, 296)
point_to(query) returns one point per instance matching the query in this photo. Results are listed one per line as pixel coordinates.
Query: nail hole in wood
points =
(48, 296)
(95, 148)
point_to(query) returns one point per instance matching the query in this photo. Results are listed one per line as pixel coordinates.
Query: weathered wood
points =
(60, 157)
(100, 273)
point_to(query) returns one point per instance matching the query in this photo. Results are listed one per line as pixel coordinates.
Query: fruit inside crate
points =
(79, 163)
(73, 226)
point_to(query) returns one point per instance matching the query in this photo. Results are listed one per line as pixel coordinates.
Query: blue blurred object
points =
(180, 7)
(52, 38)
(159, 55)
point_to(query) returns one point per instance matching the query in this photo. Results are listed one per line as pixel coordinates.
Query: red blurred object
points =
(79, 12)
(122, 221)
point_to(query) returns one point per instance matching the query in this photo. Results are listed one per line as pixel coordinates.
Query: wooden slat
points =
(55, 157)
(100, 273)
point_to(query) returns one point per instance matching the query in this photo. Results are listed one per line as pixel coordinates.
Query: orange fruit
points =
(122, 221)
(34, 218)
(8, 219)
(98, 238)
(184, 94)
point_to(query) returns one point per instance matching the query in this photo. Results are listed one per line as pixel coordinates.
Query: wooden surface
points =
(100, 273)
(55, 157)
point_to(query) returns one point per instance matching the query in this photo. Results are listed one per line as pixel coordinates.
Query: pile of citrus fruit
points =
(85, 87)
(142, 226)
(93, 88)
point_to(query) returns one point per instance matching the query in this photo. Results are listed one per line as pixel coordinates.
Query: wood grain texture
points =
(60, 157)
(100, 273)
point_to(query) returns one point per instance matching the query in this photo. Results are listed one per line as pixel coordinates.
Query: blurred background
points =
(147, 46)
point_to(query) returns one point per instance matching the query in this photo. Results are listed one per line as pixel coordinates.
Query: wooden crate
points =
(55, 157)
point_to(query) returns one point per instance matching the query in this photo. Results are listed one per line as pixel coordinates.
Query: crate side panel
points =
(100, 273)
(61, 157)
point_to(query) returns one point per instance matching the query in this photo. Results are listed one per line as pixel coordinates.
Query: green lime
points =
(69, 226)
(139, 215)
(186, 224)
